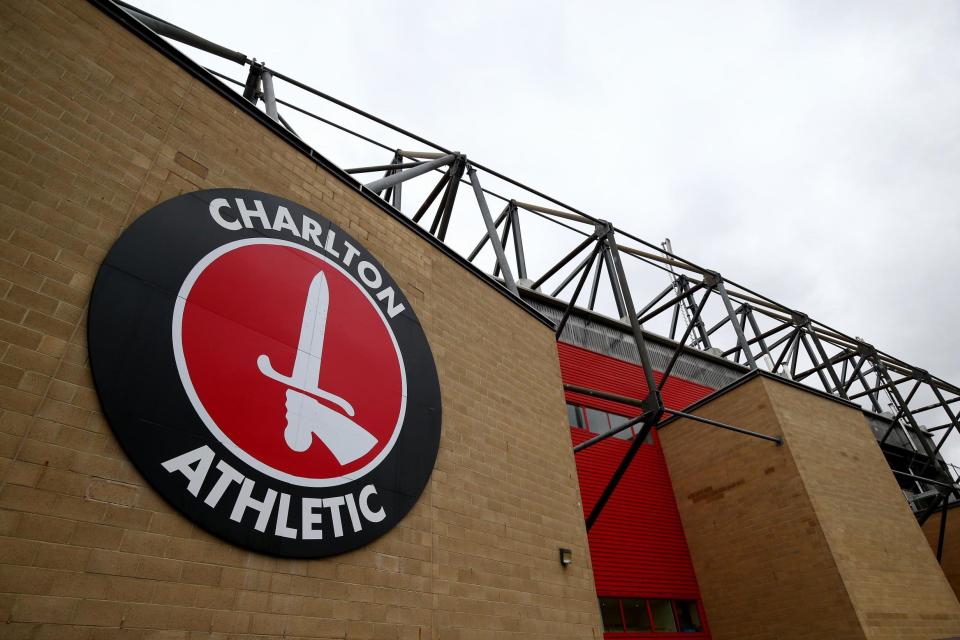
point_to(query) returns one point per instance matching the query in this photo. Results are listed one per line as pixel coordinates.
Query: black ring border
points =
(410, 337)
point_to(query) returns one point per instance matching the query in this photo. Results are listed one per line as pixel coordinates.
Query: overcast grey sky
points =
(810, 150)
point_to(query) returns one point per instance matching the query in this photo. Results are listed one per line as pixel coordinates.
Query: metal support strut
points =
(652, 401)
(842, 365)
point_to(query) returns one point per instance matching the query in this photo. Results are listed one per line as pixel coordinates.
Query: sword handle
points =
(298, 434)
(266, 368)
(306, 417)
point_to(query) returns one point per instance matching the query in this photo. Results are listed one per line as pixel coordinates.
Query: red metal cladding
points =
(637, 545)
(592, 370)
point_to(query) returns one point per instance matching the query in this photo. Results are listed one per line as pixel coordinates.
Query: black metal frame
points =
(729, 320)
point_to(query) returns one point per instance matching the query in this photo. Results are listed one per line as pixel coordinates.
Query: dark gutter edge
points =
(889, 420)
(950, 506)
(899, 452)
(197, 71)
(620, 325)
(614, 323)
(750, 376)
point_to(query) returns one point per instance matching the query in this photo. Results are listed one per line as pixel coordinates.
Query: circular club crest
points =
(264, 372)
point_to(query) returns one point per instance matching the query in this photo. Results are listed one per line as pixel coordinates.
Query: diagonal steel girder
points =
(814, 338)
(388, 181)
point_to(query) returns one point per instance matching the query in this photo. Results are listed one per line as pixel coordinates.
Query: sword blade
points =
(306, 366)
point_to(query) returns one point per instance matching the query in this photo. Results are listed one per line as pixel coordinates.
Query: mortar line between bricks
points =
(83, 323)
(156, 156)
(43, 398)
(433, 563)
(808, 497)
(235, 600)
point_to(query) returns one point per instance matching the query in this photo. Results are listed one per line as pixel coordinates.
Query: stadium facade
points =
(245, 395)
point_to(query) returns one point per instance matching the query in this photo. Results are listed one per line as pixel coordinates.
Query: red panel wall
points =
(586, 368)
(637, 545)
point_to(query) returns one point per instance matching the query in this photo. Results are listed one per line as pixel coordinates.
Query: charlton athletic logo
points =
(264, 372)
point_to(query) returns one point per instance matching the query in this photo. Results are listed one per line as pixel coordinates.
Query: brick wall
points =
(97, 128)
(951, 544)
(812, 539)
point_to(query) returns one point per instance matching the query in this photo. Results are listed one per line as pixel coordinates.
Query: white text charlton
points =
(311, 231)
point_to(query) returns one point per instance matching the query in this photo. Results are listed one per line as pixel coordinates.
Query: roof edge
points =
(758, 373)
(624, 326)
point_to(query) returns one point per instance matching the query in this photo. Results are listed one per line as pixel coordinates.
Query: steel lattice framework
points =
(589, 263)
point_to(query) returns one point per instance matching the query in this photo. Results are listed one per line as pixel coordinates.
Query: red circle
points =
(250, 302)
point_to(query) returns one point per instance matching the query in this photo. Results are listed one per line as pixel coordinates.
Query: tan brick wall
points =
(761, 558)
(893, 580)
(97, 128)
(951, 544)
(812, 539)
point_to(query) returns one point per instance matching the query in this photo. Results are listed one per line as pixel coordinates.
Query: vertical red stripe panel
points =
(637, 545)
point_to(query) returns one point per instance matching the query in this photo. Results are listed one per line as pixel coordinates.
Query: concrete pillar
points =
(811, 539)
(951, 543)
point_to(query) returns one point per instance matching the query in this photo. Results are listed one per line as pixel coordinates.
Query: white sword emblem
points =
(306, 417)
